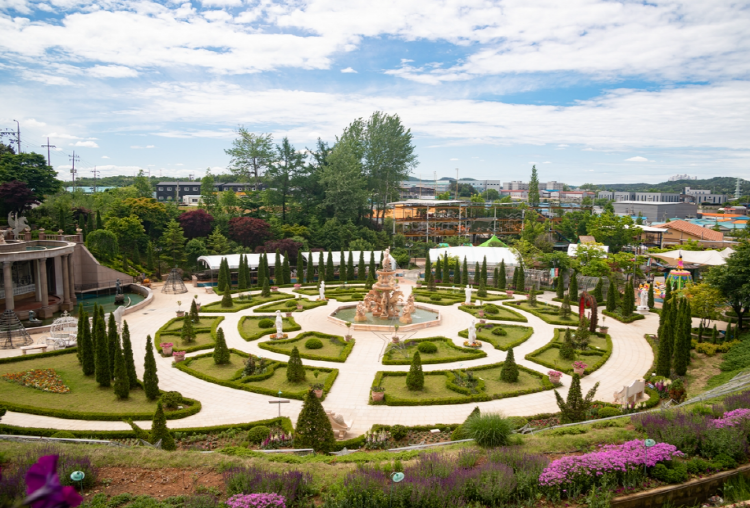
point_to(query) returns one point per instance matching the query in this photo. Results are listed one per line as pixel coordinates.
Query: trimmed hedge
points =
(239, 305)
(425, 296)
(474, 311)
(239, 382)
(293, 327)
(555, 343)
(307, 305)
(470, 354)
(304, 353)
(524, 338)
(547, 318)
(462, 397)
(617, 316)
(176, 333)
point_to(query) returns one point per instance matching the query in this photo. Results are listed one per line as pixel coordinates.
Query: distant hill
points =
(719, 185)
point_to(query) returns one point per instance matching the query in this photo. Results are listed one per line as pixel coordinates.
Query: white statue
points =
(118, 313)
(17, 223)
(322, 290)
(387, 265)
(644, 297)
(473, 332)
(279, 325)
(467, 292)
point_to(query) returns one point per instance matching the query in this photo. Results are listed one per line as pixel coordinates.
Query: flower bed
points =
(548, 355)
(46, 380)
(239, 303)
(447, 351)
(621, 318)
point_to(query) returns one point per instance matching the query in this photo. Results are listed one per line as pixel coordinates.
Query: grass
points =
(447, 351)
(502, 314)
(334, 349)
(249, 329)
(701, 369)
(205, 333)
(239, 304)
(516, 335)
(306, 305)
(201, 339)
(175, 325)
(546, 312)
(450, 296)
(597, 354)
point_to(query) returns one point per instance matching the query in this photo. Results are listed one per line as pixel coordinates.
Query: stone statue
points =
(17, 223)
(644, 297)
(467, 292)
(387, 265)
(322, 290)
(118, 313)
(361, 315)
(473, 332)
(279, 325)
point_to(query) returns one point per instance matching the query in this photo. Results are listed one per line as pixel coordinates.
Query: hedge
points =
(240, 383)
(472, 309)
(239, 305)
(311, 304)
(547, 318)
(604, 355)
(293, 327)
(258, 289)
(176, 333)
(470, 354)
(575, 304)
(524, 337)
(270, 346)
(391, 400)
(620, 318)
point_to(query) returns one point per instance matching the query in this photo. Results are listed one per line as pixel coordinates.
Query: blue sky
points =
(588, 90)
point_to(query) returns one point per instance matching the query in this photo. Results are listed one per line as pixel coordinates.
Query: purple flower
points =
(43, 489)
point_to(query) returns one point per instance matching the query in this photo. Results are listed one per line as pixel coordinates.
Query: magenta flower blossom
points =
(266, 500)
(43, 489)
(732, 418)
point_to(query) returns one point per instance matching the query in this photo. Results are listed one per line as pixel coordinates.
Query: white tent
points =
(573, 248)
(213, 262)
(706, 257)
(727, 252)
(336, 257)
(475, 255)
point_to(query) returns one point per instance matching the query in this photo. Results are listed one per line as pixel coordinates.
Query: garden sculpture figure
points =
(473, 332)
(387, 265)
(279, 324)
(467, 292)
(322, 290)
(17, 223)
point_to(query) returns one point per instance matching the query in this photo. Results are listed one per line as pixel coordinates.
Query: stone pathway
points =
(631, 357)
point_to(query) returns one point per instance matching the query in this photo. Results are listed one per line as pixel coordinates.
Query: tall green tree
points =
(209, 199)
(159, 430)
(223, 282)
(733, 280)
(150, 378)
(103, 372)
(465, 273)
(277, 269)
(560, 287)
(88, 360)
(300, 268)
(122, 382)
(252, 155)
(282, 173)
(313, 426)
(484, 269)
(683, 337)
(173, 240)
(598, 291)
(350, 267)
(221, 351)
(295, 371)
(286, 270)
(477, 274)
(310, 278)
(573, 287)
(330, 272)
(415, 377)
(371, 267)
(534, 199)
(666, 339)
(361, 267)
(611, 296)
(321, 267)
(127, 353)
(502, 282)
(79, 334)
(113, 343)
(521, 278)
(509, 372)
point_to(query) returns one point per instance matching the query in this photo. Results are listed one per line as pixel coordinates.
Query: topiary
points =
(258, 434)
(415, 377)
(356, 296)
(226, 300)
(159, 430)
(509, 372)
(399, 432)
(295, 371)
(427, 347)
(606, 412)
(63, 434)
(290, 304)
(266, 323)
(436, 298)
(491, 309)
(499, 331)
(313, 426)
(313, 343)
(171, 400)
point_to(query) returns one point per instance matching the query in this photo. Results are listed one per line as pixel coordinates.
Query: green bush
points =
(606, 412)
(290, 304)
(427, 347)
(499, 331)
(436, 298)
(491, 308)
(171, 400)
(258, 434)
(458, 434)
(489, 430)
(399, 432)
(356, 296)
(266, 323)
(63, 434)
(678, 473)
(313, 343)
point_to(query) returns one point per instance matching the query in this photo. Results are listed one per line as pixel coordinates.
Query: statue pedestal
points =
(277, 336)
(642, 309)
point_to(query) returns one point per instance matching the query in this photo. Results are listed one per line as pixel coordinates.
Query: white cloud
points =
(33, 123)
(637, 159)
(47, 79)
(454, 159)
(137, 147)
(105, 157)
(562, 145)
(222, 3)
(86, 144)
(547, 162)
(348, 70)
(112, 71)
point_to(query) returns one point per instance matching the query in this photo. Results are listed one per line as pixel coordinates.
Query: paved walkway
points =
(631, 357)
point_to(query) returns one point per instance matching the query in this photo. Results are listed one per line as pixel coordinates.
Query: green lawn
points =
(515, 335)
(203, 340)
(249, 329)
(451, 297)
(176, 323)
(205, 334)
(283, 307)
(548, 313)
(596, 355)
(334, 349)
(86, 400)
(403, 353)
(502, 314)
(242, 304)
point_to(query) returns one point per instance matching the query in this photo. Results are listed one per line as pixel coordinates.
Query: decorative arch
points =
(589, 302)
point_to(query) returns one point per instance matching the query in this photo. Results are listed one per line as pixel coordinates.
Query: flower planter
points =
(348, 337)
(579, 371)
(297, 286)
(289, 314)
(377, 396)
(395, 339)
(166, 348)
(318, 393)
(603, 329)
(480, 312)
(555, 380)
(178, 356)
(482, 321)
(180, 313)
(299, 307)
(198, 306)
(274, 289)
(509, 293)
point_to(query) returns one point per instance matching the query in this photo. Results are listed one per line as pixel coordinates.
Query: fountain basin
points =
(423, 317)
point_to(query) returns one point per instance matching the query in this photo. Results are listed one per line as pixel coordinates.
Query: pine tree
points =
(79, 333)
(495, 277)
(122, 382)
(313, 426)
(728, 333)
(295, 371)
(567, 348)
(477, 274)
(611, 296)
(565, 307)
(599, 291)
(241, 274)
(265, 292)
(103, 372)
(127, 353)
(286, 270)
(714, 335)
(350, 268)
(330, 271)
(150, 378)
(664, 310)
(371, 268)
(627, 300)
(560, 287)
(515, 278)
(583, 333)
(310, 277)
(159, 430)
(502, 276)
(650, 296)
(113, 341)
(457, 274)
(260, 272)
(415, 377)
(221, 284)
(521, 278)
(465, 273)
(439, 271)
(150, 264)
(221, 351)
(664, 355)
(681, 349)
(482, 291)
(187, 334)
(361, 268)
(573, 287)
(484, 269)
(321, 267)
(446, 269)
(428, 269)
(226, 299)
(575, 408)
(509, 372)
(88, 361)
(300, 267)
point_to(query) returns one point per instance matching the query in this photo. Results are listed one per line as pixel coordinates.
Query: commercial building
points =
(656, 211)
(177, 191)
(680, 231)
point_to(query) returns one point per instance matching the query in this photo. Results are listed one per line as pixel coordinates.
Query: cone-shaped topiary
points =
(222, 283)
(313, 426)
(682, 341)
(187, 334)
(502, 276)
(415, 377)
(457, 274)
(509, 372)
(598, 290)
(371, 266)
(300, 267)
(88, 360)
(532, 296)
(150, 378)
(369, 282)
(567, 348)
(611, 299)
(295, 371)
(565, 308)
(482, 291)
(350, 275)
(221, 351)
(194, 317)
(79, 333)
(266, 291)
(122, 382)
(286, 270)
(627, 300)
(310, 277)
(446, 269)
(439, 271)
(477, 274)
(651, 296)
(278, 276)
(113, 343)
(714, 335)
(560, 289)
(465, 273)
(573, 288)
(664, 355)
(484, 269)
(261, 271)
(330, 271)
(575, 408)
(495, 278)
(159, 430)
(103, 372)
(361, 267)
(127, 352)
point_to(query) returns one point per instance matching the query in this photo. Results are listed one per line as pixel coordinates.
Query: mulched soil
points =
(159, 483)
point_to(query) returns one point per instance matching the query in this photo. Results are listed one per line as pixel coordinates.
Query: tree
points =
(611, 296)
(150, 378)
(330, 272)
(196, 223)
(187, 334)
(651, 296)
(113, 343)
(313, 426)
(484, 269)
(103, 244)
(681, 351)
(371, 267)
(573, 287)
(565, 307)
(465, 273)
(209, 200)
(282, 173)
(249, 231)
(482, 291)
(415, 377)
(142, 185)
(534, 199)
(509, 372)
(218, 243)
(567, 348)
(361, 267)
(286, 271)
(310, 277)
(733, 281)
(598, 291)
(32, 169)
(521, 284)
(477, 274)
(221, 351)
(222, 283)
(88, 359)
(226, 299)
(266, 291)
(664, 355)
(16, 197)
(295, 371)
(575, 408)
(627, 300)
(127, 352)
(174, 242)
(150, 264)
(612, 230)
(122, 382)
(159, 430)
(251, 156)
(501, 284)
(103, 373)
(350, 267)
(560, 287)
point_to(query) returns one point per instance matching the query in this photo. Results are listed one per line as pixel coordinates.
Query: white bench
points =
(26, 349)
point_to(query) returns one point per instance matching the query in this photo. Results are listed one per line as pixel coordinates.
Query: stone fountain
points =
(385, 297)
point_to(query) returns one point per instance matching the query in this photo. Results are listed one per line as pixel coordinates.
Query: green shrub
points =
(491, 308)
(458, 434)
(290, 304)
(171, 400)
(415, 377)
(399, 432)
(258, 434)
(266, 323)
(499, 331)
(436, 298)
(427, 347)
(678, 473)
(63, 434)
(356, 296)
(517, 421)
(313, 343)
(489, 430)
(606, 412)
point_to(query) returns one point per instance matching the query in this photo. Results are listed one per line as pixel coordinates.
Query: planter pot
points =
(348, 337)
(198, 306)
(377, 396)
(509, 293)
(318, 393)
(180, 313)
(480, 313)
(166, 348)
(603, 329)
(274, 289)
(289, 314)
(578, 371)
(555, 380)
(395, 339)
(297, 286)
(299, 307)
(178, 356)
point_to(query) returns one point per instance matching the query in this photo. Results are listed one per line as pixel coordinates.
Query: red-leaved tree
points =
(16, 197)
(287, 246)
(248, 231)
(196, 223)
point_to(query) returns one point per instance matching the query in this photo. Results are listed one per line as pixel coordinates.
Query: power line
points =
(96, 172)
(48, 146)
(74, 158)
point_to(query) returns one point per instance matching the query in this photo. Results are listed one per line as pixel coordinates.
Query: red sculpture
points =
(588, 302)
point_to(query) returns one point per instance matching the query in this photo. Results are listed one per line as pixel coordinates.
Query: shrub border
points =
(544, 317)
(347, 349)
(518, 342)
(554, 344)
(176, 333)
(519, 319)
(293, 327)
(313, 305)
(241, 306)
(621, 319)
(470, 354)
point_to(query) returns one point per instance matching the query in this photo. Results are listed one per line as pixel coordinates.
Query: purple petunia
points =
(43, 489)
(265, 500)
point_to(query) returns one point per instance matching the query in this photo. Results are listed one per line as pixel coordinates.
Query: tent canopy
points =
(493, 242)
(573, 248)
(706, 257)
(336, 257)
(213, 262)
(475, 255)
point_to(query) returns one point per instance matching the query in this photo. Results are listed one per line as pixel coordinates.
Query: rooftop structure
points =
(655, 211)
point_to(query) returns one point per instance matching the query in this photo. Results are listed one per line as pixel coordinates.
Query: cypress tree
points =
(113, 341)
(226, 299)
(598, 291)
(501, 281)
(664, 355)
(611, 296)
(560, 286)
(193, 314)
(266, 268)
(484, 269)
(159, 430)
(103, 372)
(79, 333)
(371, 268)
(567, 348)
(700, 331)
(122, 382)
(321, 267)
(350, 268)
(88, 361)
(509, 372)
(714, 335)
(369, 282)
(221, 284)
(240, 274)
(482, 291)
(342, 266)
(361, 268)
(310, 277)
(573, 287)
(286, 270)
(664, 310)
(330, 271)
(457, 274)
(446, 269)
(651, 296)
(575, 408)
(515, 278)
(278, 270)
(465, 273)
(187, 334)
(627, 300)
(265, 292)
(127, 353)
(728, 333)
(150, 378)
(221, 351)
(495, 274)
(688, 324)
(261, 272)
(477, 274)
(313, 426)
(415, 377)
(438, 271)
(565, 307)
(295, 371)
(300, 267)
(99, 223)
(521, 278)
(428, 268)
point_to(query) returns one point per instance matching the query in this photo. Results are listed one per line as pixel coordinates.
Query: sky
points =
(586, 90)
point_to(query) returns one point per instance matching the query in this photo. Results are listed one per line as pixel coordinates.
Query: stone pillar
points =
(45, 311)
(27, 234)
(72, 277)
(37, 280)
(42, 235)
(8, 280)
(66, 305)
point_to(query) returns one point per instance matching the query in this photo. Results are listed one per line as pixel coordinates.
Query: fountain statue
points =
(473, 333)
(385, 296)
(408, 310)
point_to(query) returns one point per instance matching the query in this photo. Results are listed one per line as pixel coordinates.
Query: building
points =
(703, 196)
(515, 185)
(483, 185)
(552, 185)
(656, 211)
(177, 191)
(679, 231)
(657, 197)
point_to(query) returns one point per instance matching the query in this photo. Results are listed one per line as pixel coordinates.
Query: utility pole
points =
(96, 172)
(48, 146)
(456, 184)
(74, 158)
(18, 135)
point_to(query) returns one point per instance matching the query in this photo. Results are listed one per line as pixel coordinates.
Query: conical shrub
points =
(221, 351)
(122, 382)
(150, 378)
(415, 377)
(313, 426)
(295, 371)
(127, 352)
(159, 430)
(509, 372)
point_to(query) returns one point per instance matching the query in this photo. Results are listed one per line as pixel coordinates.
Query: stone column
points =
(72, 276)
(8, 280)
(45, 311)
(66, 305)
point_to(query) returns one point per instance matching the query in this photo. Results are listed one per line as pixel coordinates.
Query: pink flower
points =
(43, 489)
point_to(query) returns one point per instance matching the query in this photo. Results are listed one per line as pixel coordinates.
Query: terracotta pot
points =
(347, 337)
(554, 379)
(395, 339)
(180, 313)
(178, 356)
(288, 314)
(274, 289)
(166, 348)
(300, 307)
(377, 396)
(509, 293)
(318, 393)
(198, 306)
(297, 286)
(481, 313)
(603, 329)
(578, 371)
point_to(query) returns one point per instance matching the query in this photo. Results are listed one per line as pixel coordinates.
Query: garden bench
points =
(26, 349)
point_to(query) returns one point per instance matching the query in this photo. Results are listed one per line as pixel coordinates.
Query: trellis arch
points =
(589, 302)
